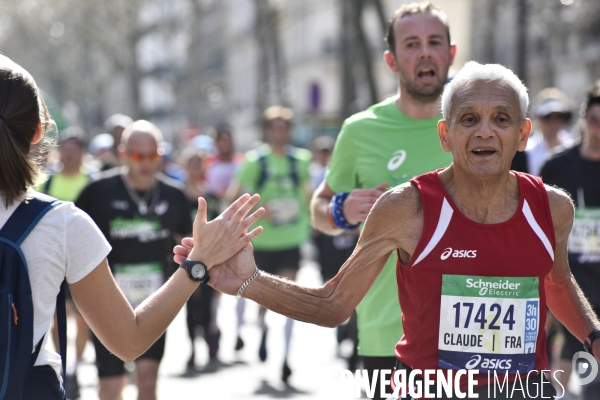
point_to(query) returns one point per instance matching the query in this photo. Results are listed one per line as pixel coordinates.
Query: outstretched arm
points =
(564, 297)
(386, 228)
(128, 333)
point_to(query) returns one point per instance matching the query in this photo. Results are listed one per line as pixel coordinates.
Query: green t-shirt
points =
(375, 146)
(288, 224)
(63, 187)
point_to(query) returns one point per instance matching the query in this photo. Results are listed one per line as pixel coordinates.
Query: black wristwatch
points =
(196, 270)
(587, 343)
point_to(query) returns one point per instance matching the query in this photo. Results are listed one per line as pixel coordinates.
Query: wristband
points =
(589, 340)
(337, 212)
(246, 283)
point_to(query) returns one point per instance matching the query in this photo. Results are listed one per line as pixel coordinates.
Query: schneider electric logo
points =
(500, 287)
(449, 252)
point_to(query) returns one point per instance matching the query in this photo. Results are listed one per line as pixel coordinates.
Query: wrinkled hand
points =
(360, 201)
(229, 276)
(218, 240)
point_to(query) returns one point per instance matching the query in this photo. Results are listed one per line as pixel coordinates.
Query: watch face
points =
(198, 271)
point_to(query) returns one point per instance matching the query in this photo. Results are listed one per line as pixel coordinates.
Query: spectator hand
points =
(218, 240)
(360, 201)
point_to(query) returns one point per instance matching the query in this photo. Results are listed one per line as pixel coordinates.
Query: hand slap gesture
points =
(218, 240)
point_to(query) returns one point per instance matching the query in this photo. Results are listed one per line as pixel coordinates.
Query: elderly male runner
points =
(482, 250)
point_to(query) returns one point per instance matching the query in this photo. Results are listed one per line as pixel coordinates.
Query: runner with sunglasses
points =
(140, 212)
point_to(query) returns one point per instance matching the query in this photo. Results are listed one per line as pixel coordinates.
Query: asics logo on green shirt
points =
(397, 160)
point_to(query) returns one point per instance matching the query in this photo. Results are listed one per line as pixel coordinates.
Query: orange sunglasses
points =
(137, 157)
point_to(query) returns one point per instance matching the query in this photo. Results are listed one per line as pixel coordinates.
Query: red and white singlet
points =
(473, 294)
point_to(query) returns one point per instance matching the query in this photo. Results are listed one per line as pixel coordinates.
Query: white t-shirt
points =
(64, 243)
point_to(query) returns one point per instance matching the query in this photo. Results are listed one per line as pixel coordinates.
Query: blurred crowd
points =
(208, 166)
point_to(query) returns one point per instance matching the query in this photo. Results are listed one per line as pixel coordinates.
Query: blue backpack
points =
(17, 355)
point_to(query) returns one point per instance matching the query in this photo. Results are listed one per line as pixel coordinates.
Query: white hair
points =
(473, 71)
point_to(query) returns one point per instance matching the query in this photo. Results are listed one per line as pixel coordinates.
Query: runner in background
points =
(279, 173)
(552, 115)
(577, 170)
(333, 251)
(203, 303)
(385, 146)
(141, 213)
(221, 168)
(115, 124)
(66, 184)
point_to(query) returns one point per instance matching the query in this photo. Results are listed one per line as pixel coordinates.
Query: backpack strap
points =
(293, 167)
(263, 173)
(61, 319)
(25, 217)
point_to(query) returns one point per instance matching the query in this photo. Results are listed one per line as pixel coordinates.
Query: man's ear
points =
(443, 129)
(452, 52)
(390, 61)
(524, 132)
(122, 150)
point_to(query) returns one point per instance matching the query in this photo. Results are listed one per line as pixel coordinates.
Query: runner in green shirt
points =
(279, 173)
(387, 145)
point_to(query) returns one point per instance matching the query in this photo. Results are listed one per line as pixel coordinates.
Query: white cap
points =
(550, 106)
(101, 142)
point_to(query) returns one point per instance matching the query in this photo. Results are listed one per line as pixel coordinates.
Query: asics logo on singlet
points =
(488, 363)
(397, 160)
(458, 253)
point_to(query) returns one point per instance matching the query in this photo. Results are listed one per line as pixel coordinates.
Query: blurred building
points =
(255, 53)
(547, 42)
(190, 64)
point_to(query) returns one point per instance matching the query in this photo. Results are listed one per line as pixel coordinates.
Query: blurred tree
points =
(357, 54)
(80, 51)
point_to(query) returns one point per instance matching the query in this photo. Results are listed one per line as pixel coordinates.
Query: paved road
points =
(316, 369)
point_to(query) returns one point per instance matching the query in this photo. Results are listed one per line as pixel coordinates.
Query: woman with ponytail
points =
(66, 245)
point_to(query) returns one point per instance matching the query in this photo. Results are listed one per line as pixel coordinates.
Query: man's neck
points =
(141, 185)
(278, 149)
(416, 109)
(588, 153)
(552, 139)
(487, 200)
(70, 172)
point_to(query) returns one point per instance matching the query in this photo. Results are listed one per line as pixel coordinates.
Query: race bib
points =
(284, 211)
(138, 281)
(584, 240)
(489, 323)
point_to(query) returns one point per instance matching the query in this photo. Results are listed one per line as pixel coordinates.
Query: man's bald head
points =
(142, 127)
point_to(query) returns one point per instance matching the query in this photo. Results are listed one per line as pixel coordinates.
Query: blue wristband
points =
(337, 212)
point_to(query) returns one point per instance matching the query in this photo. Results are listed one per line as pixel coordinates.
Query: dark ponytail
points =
(22, 110)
